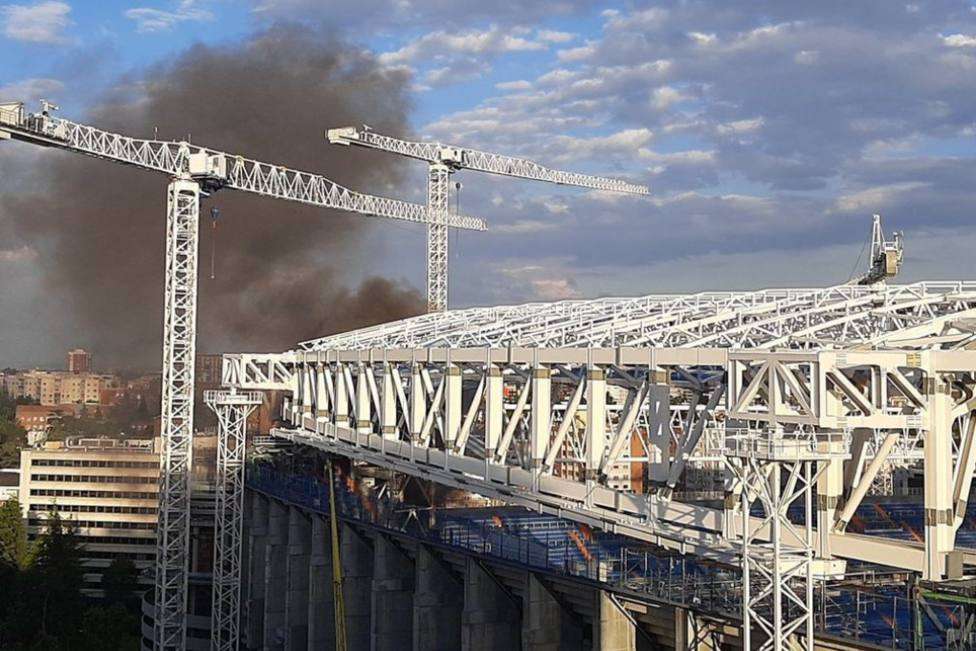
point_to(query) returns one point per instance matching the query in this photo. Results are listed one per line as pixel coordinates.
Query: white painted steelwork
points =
(549, 405)
(194, 170)
(444, 160)
(232, 408)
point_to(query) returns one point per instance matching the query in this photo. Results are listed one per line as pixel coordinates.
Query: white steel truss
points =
(775, 471)
(479, 161)
(841, 317)
(235, 172)
(438, 185)
(232, 409)
(179, 354)
(444, 160)
(194, 170)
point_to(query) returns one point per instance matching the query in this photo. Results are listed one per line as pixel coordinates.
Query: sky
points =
(768, 133)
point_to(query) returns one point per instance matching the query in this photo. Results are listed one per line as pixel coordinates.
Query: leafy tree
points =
(14, 550)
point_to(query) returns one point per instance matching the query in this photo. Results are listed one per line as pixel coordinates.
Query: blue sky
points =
(769, 132)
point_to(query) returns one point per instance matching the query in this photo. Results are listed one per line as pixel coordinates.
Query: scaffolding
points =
(774, 471)
(232, 408)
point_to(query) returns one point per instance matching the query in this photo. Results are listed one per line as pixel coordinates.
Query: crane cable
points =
(337, 600)
(214, 214)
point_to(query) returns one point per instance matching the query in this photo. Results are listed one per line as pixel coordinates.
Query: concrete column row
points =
(399, 598)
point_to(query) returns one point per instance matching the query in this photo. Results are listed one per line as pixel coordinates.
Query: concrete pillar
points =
(297, 564)
(615, 631)
(438, 600)
(491, 618)
(357, 578)
(254, 597)
(546, 624)
(392, 596)
(275, 576)
(321, 605)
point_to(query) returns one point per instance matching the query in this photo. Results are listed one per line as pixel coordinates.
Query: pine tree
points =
(14, 550)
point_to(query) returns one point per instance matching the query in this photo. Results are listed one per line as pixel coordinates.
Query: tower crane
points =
(886, 255)
(195, 171)
(444, 160)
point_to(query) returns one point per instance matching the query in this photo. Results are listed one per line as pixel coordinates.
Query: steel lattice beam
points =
(179, 355)
(232, 410)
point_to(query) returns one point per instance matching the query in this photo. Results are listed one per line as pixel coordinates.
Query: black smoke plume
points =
(281, 267)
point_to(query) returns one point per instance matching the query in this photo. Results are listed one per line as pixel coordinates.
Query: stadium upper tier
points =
(919, 315)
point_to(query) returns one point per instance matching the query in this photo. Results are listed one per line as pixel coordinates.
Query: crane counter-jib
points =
(214, 169)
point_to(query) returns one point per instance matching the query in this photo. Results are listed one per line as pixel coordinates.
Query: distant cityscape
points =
(83, 446)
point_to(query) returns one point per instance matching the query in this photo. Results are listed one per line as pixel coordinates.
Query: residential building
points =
(79, 361)
(52, 388)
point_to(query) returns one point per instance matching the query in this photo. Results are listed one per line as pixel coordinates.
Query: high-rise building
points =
(107, 488)
(79, 361)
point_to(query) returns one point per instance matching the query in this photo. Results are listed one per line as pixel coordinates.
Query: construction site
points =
(782, 469)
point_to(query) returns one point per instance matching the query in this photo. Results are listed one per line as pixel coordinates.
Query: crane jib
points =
(213, 169)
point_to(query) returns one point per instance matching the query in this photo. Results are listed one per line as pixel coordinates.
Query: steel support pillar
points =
(438, 188)
(232, 410)
(777, 578)
(179, 351)
(938, 470)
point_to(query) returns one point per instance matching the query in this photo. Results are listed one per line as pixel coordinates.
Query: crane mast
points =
(444, 160)
(194, 171)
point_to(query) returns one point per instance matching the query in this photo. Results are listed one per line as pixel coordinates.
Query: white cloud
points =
(150, 20)
(876, 198)
(523, 227)
(702, 38)
(551, 36)
(42, 22)
(663, 97)
(959, 40)
(521, 84)
(737, 127)
(577, 53)
(30, 90)
(495, 40)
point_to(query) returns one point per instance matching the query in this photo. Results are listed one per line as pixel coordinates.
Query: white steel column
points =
(777, 577)
(937, 466)
(179, 350)
(233, 410)
(438, 188)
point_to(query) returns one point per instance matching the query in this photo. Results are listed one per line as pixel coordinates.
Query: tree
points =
(120, 581)
(56, 578)
(14, 550)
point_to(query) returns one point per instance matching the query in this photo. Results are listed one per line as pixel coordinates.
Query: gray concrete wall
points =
(438, 601)
(391, 618)
(492, 615)
(321, 606)
(403, 594)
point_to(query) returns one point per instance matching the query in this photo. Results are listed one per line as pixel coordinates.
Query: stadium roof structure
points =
(940, 315)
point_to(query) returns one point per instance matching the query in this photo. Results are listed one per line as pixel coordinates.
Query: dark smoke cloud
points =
(98, 227)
